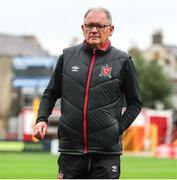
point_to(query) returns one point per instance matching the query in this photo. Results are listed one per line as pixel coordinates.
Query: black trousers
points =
(88, 166)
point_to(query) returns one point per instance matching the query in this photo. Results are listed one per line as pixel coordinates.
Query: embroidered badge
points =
(106, 71)
(60, 175)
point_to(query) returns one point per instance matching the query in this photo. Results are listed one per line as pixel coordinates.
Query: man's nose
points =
(94, 29)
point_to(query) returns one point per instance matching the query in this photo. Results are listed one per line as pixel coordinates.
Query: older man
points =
(91, 80)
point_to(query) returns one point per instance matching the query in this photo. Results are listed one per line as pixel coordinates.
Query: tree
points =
(154, 85)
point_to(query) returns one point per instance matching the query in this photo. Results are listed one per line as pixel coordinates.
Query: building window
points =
(167, 61)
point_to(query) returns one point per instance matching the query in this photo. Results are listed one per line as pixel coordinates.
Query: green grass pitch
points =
(44, 166)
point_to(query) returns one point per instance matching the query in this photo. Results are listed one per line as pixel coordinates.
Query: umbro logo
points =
(114, 168)
(75, 68)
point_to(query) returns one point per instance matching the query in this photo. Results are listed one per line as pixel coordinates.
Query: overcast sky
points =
(56, 22)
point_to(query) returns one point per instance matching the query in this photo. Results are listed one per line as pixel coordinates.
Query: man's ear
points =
(111, 30)
(82, 27)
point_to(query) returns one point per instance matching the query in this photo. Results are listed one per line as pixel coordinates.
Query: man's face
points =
(97, 29)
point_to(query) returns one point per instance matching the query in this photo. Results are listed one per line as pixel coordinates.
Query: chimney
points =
(157, 37)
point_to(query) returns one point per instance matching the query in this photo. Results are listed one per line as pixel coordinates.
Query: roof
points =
(20, 46)
(171, 49)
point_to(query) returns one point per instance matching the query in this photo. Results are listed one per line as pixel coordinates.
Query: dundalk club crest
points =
(106, 71)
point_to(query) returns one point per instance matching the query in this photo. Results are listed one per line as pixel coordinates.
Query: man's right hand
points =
(40, 130)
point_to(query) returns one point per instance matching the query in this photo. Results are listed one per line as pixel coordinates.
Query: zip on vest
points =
(86, 100)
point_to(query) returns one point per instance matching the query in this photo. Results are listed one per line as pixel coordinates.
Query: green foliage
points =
(154, 84)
